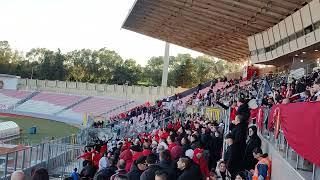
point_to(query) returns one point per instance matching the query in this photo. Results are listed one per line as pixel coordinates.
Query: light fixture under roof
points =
(301, 60)
(296, 55)
(316, 50)
(304, 52)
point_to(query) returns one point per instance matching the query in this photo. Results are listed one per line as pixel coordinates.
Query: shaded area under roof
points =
(215, 27)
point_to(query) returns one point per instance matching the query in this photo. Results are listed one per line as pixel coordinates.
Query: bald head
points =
(121, 164)
(17, 175)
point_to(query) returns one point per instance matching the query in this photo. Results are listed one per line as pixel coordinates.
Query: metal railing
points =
(50, 155)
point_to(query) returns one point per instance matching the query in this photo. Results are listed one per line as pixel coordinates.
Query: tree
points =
(153, 70)
(185, 71)
(204, 68)
(129, 72)
(5, 52)
(106, 66)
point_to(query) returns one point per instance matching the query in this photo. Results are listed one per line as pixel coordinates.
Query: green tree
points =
(185, 74)
(129, 72)
(5, 52)
(153, 71)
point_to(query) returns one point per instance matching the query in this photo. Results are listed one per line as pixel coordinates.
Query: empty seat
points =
(11, 97)
(49, 103)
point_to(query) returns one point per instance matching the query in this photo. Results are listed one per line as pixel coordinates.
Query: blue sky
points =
(77, 24)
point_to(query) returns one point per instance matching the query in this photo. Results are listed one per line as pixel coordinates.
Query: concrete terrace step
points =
(24, 100)
(73, 105)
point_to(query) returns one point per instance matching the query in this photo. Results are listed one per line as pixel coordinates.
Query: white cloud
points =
(75, 24)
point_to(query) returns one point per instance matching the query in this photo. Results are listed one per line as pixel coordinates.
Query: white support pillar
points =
(165, 65)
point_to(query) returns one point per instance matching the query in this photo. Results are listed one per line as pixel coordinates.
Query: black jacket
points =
(150, 173)
(239, 132)
(134, 173)
(244, 110)
(88, 171)
(168, 167)
(233, 159)
(195, 145)
(185, 147)
(215, 149)
(250, 161)
(105, 173)
(205, 139)
(192, 172)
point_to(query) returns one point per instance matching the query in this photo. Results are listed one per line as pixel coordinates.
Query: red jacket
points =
(146, 152)
(170, 146)
(86, 156)
(201, 162)
(136, 155)
(103, 149)
(126, 155)
(96, 158)
(233, 114)
(164, 135)
(177, 126)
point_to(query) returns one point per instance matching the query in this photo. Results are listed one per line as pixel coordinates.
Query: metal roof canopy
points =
(215, 27)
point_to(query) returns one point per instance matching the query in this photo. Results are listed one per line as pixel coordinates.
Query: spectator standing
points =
(121, 169)
(161, 175)
(138, 167)
(243, 109)
(189, 171)
(40, 174)
(185, 144)
(213, 175)
(136, 152)
(195, 143)
(106, 173)
(87, 156)
(241, 176)
(263, 168)
(103, 162)
(199, 159)
(149, 174)
(75, 175)
(88, 171)
(253, 142)
(18, 175)
(126, 155)
(215, 149)
(315, 90)
(222, 172)
(239, 132)
(232, 156)
(166, 163)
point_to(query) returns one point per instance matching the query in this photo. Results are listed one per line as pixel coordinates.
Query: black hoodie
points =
(134, 173)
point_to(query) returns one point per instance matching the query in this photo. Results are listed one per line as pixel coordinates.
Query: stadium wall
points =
(141, 93)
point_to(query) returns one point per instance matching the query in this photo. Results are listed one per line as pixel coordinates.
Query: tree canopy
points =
(107, 66)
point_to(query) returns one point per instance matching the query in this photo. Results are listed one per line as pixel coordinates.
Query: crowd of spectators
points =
(189, 146)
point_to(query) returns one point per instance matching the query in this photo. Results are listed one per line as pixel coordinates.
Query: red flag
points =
(260, 118)
(300, 123)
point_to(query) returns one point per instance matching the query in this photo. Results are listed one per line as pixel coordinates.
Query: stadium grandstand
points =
(258, 125)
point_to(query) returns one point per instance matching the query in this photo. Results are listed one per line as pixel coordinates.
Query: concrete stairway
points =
(72, 105)
(24, 100)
